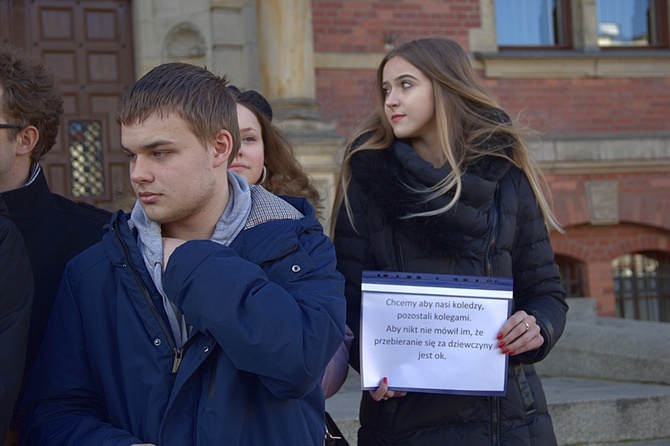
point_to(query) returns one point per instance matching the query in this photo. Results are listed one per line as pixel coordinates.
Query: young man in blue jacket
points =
(205, 316)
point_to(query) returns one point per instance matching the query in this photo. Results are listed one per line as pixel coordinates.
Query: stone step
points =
(594, 412)
(586, 412)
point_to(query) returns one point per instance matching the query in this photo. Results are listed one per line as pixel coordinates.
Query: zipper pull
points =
(178, 352)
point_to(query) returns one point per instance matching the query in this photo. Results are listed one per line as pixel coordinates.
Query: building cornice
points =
(603, 154)
(574, 64)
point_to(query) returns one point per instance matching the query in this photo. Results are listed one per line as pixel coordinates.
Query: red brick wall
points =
(597, 246)
(588, 107)
(360, 26)
(555, 107)
(344, 96)
(644, 213)
(644, 197)
(355, 26)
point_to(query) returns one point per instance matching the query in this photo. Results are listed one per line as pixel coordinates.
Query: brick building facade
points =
(603, 125)
(601, 112)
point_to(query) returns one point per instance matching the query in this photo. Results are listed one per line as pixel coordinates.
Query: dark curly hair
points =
(30, 97)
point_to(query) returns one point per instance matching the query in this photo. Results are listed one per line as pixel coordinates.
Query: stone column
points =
(286, 53)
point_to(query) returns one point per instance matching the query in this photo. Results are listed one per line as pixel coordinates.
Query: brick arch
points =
(647, 242)
(646, 210)
(570, 248)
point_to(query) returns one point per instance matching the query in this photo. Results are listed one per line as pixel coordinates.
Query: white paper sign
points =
(434, 333)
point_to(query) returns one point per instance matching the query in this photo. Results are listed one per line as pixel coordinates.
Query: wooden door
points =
(88, 44)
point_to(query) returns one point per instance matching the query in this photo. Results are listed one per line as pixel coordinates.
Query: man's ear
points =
(223, 146)
(26, 140)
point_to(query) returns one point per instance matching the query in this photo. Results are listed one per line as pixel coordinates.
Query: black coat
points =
(55, 230)
(496, 229)
(16, 298)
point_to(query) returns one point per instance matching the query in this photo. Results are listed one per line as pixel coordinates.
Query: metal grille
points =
(642, 286)
(85, 149)
(571, 272)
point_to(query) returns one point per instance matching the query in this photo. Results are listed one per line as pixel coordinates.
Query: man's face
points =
(175, 176)
(9, 178)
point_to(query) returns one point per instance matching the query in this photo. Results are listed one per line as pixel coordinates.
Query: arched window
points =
(572, 273)
(642, 286)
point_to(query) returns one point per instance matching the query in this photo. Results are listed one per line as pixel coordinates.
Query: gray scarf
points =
(150, 242)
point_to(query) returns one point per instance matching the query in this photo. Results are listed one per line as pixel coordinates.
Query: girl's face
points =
(409, 101)
(250, 158)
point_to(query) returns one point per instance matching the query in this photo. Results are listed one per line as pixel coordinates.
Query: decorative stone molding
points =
(603, 154)
(574, 64)
(185, 43)
(602, 197)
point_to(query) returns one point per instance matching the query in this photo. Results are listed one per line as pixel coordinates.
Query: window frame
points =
(661, 7)
(572, 272)
(566, 32)
(640, 300)
(584, 60)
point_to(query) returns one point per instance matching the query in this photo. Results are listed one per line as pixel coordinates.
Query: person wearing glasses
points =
(54, 229)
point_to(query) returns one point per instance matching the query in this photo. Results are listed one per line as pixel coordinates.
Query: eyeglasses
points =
(9, 126)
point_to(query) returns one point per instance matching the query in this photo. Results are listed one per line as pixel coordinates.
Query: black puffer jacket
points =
(16, 299)
(496, 229)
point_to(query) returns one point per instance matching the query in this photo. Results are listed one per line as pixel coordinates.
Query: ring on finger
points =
(385, 398)
(527, 326)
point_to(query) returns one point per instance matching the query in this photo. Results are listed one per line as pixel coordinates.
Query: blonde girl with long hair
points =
(438, 179)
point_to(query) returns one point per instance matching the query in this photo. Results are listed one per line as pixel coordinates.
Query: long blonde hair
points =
(467, 115)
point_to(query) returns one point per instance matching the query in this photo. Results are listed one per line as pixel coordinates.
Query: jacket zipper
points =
(494, 236)
(495, 401)
(398, 251)
(177, 353)
(495, 437)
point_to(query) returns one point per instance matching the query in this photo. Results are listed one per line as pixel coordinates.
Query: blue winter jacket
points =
(267, 314)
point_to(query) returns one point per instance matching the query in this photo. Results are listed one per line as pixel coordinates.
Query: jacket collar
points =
(386, 177)
(29, 201)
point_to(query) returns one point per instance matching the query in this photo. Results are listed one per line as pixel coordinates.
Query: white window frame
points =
(584, 59)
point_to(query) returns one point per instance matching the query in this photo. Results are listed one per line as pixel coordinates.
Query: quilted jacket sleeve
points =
(537, 284)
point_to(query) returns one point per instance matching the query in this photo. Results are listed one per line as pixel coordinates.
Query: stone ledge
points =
(596, 411)
(574, 64)
(609, 348)
(584, 411)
